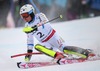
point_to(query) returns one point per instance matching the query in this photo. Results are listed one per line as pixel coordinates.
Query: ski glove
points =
(30, 29)
(28, 57)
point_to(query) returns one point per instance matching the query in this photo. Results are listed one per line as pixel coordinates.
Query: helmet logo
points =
(23, 9)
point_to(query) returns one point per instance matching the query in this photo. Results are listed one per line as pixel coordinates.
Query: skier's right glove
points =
(30, 29)
(28, 57)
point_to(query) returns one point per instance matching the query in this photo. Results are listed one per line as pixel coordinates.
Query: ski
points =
(26, 65)
(71, 61)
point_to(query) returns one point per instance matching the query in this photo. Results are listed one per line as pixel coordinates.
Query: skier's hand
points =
(30, 29)
(28, 57)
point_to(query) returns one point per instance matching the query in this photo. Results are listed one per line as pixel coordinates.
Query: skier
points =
(46, 35)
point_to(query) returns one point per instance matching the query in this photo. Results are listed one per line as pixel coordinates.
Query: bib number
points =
(40, 34)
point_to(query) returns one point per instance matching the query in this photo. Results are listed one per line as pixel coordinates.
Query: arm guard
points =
(30, 29)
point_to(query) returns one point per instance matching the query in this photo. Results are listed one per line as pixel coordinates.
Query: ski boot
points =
(89, 53)
(58, 56)
(28, 57)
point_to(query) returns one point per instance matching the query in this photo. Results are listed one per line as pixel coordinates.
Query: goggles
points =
(25, 15)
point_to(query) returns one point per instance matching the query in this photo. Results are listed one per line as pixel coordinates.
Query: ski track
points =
(83, 33)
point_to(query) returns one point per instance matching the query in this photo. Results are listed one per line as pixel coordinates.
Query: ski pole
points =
(41, 24)
(27, 29)
(17, 55)
(60, 16)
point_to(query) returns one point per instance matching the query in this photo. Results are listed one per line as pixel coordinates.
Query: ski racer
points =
(46, 35)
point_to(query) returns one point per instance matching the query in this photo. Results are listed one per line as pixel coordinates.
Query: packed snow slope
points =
(84, 33)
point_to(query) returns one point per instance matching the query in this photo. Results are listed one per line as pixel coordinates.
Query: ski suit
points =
(47, 37)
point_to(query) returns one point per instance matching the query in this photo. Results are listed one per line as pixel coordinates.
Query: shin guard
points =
(45, 50)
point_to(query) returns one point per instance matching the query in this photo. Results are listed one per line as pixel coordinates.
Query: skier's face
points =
(26, 17)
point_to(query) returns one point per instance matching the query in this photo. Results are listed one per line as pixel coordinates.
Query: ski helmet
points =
(27, 8)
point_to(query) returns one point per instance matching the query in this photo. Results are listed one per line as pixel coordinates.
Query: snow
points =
(84, 33)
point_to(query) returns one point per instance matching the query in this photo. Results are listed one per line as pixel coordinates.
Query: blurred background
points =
(70, 9)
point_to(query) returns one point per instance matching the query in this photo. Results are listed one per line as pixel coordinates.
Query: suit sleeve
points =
(30, 41)
(43, 18)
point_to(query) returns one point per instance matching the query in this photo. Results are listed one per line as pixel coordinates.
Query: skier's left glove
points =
(30, 29)
(28, 57)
